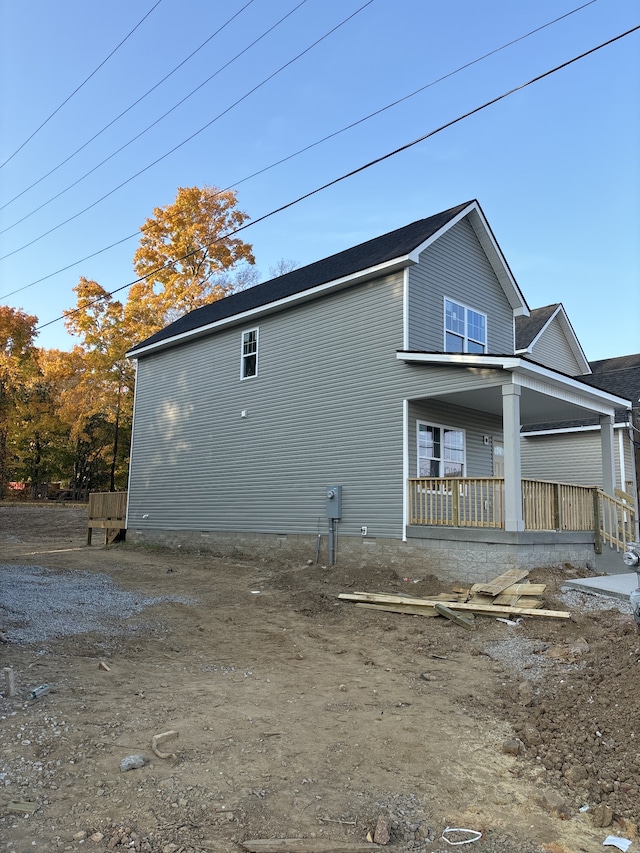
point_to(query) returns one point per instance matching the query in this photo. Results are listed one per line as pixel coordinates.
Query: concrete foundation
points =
(451, 554)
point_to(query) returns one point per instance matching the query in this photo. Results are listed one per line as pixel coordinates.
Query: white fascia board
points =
(498, 262)
(573, 341)
(415, 254)
(562, 431)
(386, 268)
(529, 375)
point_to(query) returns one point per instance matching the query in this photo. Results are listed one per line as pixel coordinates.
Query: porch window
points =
(440, 451)
(465, 329)
(249, 363)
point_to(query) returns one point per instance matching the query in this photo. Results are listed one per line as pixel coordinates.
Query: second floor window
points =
(465, 329)
(249, 365)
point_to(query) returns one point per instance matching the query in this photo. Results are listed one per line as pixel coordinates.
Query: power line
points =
(192, 136)
(84, 82)
(158, 120)
(359, 169)
(319, 141)
(288, 157)
(130, 107)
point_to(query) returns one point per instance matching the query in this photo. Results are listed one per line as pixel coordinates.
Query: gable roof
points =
(530, 329)
(384, 254)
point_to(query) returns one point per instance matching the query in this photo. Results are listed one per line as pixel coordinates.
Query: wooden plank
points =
(514, 589)
(400, 608)
(499, 584)
(529, 601)
(465, 621)
(493, 609)
(478, 598)
(307, 845)
(506, 598)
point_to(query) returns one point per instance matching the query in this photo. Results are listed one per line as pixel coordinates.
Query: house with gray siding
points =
(367, 407)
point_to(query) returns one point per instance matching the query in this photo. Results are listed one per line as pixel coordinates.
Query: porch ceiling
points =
(476, 382)
(535, 407)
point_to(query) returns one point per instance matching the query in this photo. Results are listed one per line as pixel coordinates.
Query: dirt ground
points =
(302, 716)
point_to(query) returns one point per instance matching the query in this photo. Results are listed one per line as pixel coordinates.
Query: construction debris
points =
(161, 738)
(504, 596)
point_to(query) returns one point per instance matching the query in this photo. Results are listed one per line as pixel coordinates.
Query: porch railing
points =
(546, 505)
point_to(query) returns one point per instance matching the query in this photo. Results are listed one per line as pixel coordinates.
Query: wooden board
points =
(514, 589)
(401, 608)
(499, 584)
(486, 609)
(458, 618)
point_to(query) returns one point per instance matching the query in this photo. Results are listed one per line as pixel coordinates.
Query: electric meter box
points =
(334, 501)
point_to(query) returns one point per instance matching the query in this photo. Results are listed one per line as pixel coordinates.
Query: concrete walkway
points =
(615, 586)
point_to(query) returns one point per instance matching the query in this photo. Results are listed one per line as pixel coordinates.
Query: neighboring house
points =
(571, 449)
(375, 375)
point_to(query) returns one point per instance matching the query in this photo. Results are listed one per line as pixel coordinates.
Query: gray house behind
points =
(386, 376)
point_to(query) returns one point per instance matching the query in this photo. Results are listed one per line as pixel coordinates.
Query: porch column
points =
(512, 470)
(608, 458)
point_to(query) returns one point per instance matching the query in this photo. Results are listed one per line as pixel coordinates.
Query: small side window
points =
(249, 364)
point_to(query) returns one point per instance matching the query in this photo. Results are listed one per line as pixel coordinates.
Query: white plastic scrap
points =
(476, 835)
(509, 622)
(616, 841)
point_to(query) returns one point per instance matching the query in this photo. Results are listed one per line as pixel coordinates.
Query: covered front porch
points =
(499, 395)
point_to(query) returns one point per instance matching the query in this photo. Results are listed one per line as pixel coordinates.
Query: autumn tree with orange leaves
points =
(18, 365)
(188, 256)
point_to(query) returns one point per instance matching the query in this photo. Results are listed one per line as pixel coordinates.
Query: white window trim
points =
(441, 427)
(466, 337)
(242, 353)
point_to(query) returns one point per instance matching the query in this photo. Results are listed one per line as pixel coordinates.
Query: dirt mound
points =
(299, 715)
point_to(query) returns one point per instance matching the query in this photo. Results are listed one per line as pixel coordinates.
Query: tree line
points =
(66, 416)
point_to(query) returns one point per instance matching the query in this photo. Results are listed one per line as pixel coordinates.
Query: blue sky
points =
(555, 166)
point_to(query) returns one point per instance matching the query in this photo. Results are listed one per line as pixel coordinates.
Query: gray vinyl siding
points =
(573, 457)
(552, 349)
(456, 266)
(479, 456)
(324, 409)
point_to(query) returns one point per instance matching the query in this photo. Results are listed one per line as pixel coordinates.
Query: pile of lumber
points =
(505, 596)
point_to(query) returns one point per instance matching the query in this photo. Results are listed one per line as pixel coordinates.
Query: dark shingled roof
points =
(619, 376)
(395, 244)
(528, 328)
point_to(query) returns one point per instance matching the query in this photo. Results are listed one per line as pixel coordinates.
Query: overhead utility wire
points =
(313, 144)
(77, 89)
(404, 98)
(353, 172)
(290, 156)
(157, 121)
(189, 138)
(130, 107)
